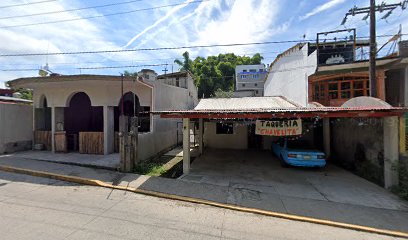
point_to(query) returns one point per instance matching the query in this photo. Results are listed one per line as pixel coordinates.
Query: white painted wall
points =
(16, 127)
(237, 140)
(288, 76)
(101, 93)
(164, 134)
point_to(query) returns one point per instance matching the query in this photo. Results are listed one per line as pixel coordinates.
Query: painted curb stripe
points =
(92, 182)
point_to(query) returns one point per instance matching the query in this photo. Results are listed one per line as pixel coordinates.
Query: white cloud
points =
(159, 21)
(321, 8)
(245, 21)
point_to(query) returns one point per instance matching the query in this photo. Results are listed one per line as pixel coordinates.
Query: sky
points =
(141, 24)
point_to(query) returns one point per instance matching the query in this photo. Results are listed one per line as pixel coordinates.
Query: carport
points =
(242, 113)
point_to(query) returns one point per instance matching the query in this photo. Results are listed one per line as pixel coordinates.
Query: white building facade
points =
(288, 74)
(89, 105)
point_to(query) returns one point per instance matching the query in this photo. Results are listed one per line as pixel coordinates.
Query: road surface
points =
(39, 208)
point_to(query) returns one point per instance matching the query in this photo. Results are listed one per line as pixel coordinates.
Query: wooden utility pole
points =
(371, 12)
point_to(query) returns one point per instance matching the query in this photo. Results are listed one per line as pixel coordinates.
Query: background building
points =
(249, 80)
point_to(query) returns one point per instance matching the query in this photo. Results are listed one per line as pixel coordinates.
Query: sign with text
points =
(279, 128)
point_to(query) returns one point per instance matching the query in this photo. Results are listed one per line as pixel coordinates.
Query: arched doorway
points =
(79, 117)
(129, 105)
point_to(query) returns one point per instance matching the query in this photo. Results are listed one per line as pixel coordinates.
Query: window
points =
(345, 90)
(256, 92)
(340, 88)
(333, 91)
(144, 119)
(243, 85)
(146, 76)
(256, 84)
(260, 70)
(255, 76)
(243, 76)
(225, 128)
(252, 70)
(244, 70)
(177, 82)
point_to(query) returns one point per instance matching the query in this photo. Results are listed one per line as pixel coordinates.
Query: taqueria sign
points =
(279, 128)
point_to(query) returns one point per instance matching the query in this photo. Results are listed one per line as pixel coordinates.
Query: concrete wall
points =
(16, 127)
(288, 76)
(164, 134)
(359, 146)
(237, 140)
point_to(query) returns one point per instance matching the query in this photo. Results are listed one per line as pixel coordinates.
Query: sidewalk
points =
(347, 213)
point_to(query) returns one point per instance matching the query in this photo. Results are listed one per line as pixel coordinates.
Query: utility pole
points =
(373, 51)
(371, 12)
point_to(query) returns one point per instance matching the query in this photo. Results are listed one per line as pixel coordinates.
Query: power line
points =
(105, 15)
(25, 4)
(69, 10)
(128, 66)
(168, 48)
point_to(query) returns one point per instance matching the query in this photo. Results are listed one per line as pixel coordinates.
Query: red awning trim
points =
(257, 115)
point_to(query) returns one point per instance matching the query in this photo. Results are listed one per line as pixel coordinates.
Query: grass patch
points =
(158, 168)
(150, 168)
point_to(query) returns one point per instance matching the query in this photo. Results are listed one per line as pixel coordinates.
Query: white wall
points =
(237, 140)
(288, 76)
(16, 127)
(164, 134)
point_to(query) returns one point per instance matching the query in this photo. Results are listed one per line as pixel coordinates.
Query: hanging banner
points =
(279, 128)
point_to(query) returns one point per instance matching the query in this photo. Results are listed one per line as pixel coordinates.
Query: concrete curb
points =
(99, 183)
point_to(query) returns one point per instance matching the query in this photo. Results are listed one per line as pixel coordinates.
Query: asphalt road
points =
(38, 208)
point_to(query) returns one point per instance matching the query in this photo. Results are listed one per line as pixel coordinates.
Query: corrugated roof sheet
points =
(245, 103)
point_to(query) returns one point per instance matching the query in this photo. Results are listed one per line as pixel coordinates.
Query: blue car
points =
(298, 153)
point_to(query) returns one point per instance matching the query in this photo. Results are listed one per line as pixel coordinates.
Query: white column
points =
(391, 153)
(186, 145)
(201, 135)
(326, 137)
(53, 124)
(108, 130)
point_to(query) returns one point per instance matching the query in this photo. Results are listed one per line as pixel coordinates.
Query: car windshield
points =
(299, 144)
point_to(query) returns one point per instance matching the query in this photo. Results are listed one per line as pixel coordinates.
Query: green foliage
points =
(25, 93)
(150, 168)
(215, 73)
(222, 94)
(129, 74)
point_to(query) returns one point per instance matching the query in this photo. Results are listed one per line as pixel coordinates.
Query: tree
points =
(214, 75)
(186, 64)
(24, 93)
